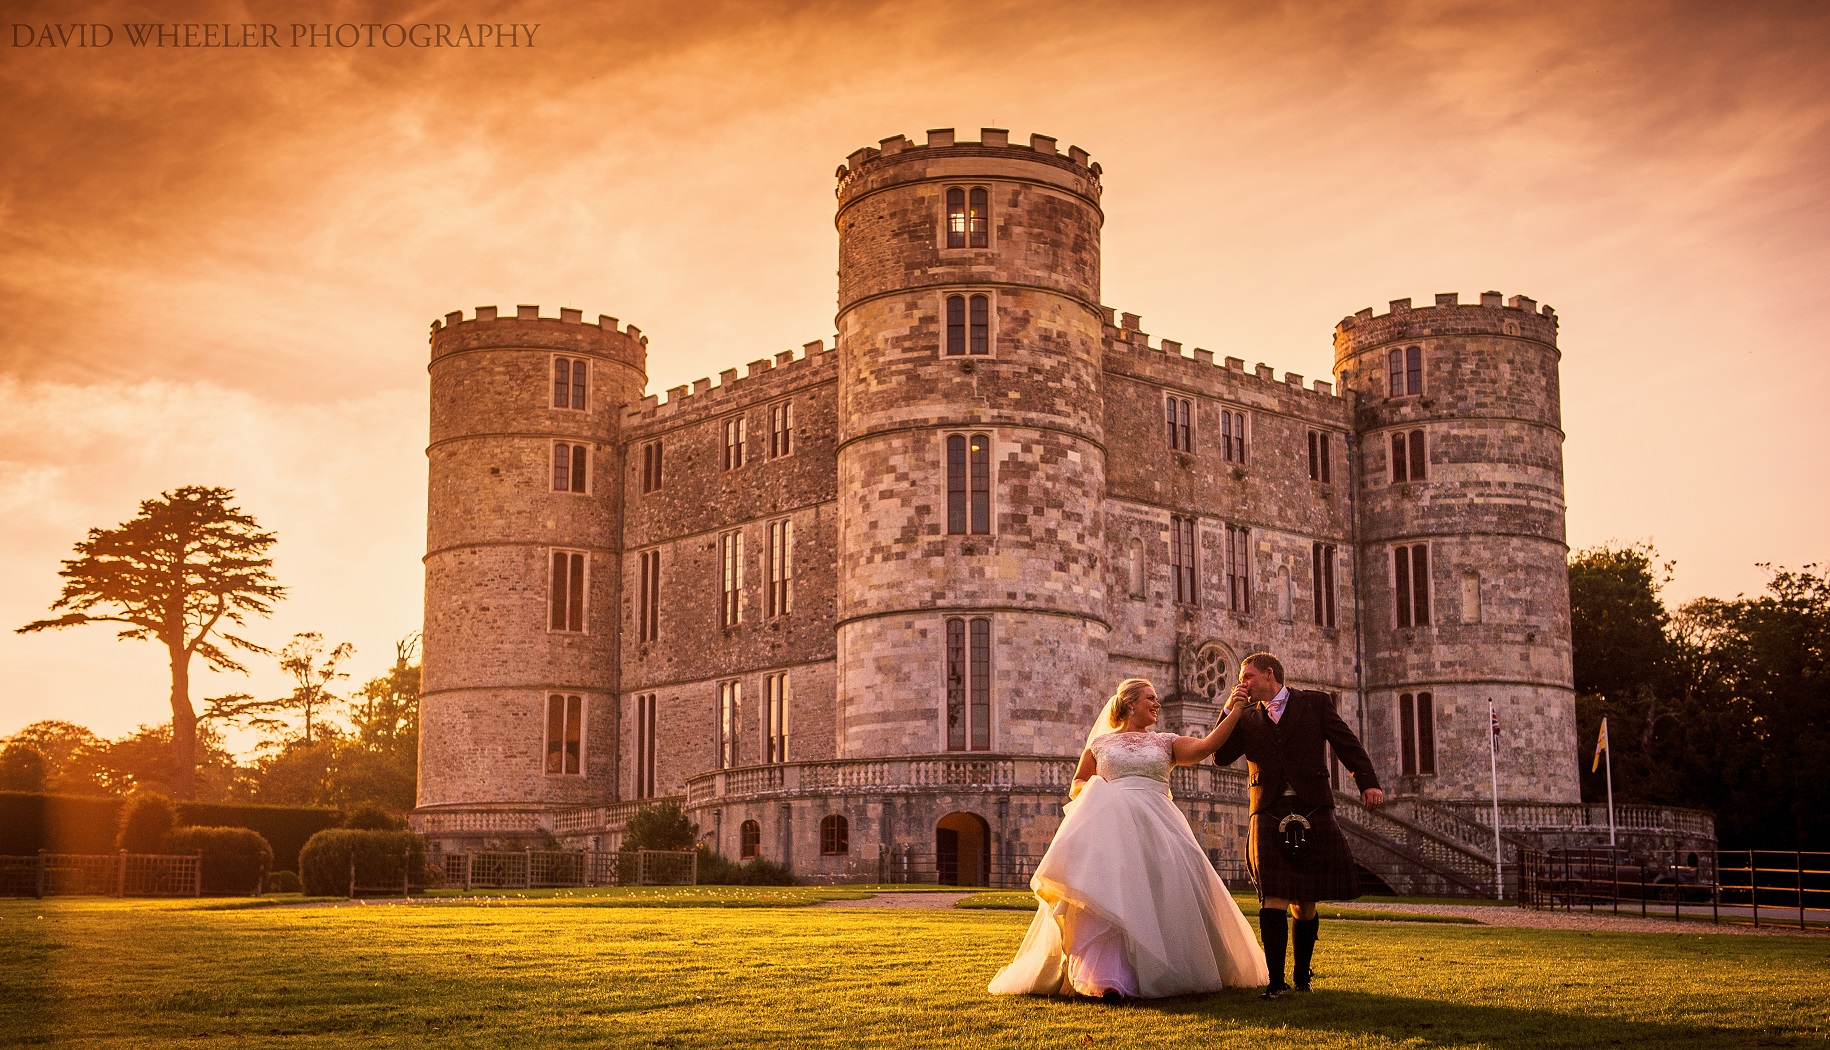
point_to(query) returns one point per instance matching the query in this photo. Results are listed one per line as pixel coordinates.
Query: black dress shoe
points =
(1275, 991)
(1112, 997)
(1302, 983)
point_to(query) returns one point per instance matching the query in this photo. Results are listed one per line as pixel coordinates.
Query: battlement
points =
(763, 378)
(992, 142)
(1125, 332)
(527, 312)
(1519, 316)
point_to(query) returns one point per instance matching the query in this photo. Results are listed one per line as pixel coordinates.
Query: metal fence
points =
(120, 874)
(909, 867)
(542, 869)
(1761, 887)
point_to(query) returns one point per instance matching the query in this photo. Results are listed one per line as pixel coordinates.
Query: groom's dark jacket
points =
(1290, 752)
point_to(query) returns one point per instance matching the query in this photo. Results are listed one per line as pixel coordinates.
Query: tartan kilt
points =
(1325, 873)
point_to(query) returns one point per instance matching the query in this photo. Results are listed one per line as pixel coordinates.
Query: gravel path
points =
(900, 900)
(1531, 918)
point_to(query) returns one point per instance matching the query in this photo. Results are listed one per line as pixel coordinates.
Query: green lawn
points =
(583, 971)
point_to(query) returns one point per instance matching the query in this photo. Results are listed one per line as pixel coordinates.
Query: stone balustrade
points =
(1550, 815)
(1001, 773)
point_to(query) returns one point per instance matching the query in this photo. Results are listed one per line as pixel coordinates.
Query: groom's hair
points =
(1269, 664)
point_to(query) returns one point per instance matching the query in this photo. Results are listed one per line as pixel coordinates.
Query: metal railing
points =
(121, 874)
(913, 867)
(1761, 887)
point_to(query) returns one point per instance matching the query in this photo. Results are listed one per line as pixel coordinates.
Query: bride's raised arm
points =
(1189, 750)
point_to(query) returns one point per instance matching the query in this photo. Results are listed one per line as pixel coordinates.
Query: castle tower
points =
(971, 598)
(1466, 593)
(522, 581)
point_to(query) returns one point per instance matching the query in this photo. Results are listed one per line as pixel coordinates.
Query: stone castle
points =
(856, 608)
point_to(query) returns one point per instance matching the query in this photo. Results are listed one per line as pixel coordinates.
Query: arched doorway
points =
(962, 850)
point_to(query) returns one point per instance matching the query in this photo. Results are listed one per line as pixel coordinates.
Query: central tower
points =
(971, 599)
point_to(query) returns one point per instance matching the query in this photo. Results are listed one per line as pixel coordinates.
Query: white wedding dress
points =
(1127, 901)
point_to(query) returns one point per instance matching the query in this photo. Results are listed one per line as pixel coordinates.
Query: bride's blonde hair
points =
(1126, 697)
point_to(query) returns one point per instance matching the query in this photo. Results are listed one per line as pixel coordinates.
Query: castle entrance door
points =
(962, 850)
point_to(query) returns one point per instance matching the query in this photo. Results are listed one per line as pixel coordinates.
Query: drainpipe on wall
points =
(1359, 580)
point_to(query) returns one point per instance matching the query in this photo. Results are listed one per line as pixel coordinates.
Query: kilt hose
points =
(1325, 872)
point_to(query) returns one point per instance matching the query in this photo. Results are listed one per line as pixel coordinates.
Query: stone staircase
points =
(1421, 849)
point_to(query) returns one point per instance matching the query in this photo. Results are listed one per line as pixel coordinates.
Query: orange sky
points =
(218, 266)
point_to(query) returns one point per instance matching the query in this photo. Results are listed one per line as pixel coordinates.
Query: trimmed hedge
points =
(284, 882)
(714, 870)
(324, 863)
(235, 860)
(149, 816)
(31, 821)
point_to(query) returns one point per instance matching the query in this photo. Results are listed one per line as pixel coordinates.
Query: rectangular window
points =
(1232, 435)
(1239, 568)
(781, 429)
(781, 568)
(565, 735)
(648, 596)
(1320, 467)
(969, 484)
(730, 724)
(1411, 577)
(1413, 370)
(730, 556)
(980, 225)
(1400, 458)
(1322, 556)
(775, 727)
(1182, 558)
(956, 218)
(968, 684)
(981, 324)
(566, 592)
(651, 466)
(569, 382)
(1419, 459)
(1394, 367)
(569, 472)
(1417, 734)
(644, 745)
(956, 325)
(1407, 735)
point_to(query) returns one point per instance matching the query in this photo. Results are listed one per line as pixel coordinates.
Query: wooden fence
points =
(120, 874)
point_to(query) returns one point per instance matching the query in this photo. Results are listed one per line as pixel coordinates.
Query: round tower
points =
(971, 601)
(524, 511)
(1466, 590)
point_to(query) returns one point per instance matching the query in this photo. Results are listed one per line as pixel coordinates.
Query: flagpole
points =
(1493, 760)
(1608, 755)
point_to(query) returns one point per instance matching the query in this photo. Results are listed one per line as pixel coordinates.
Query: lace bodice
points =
(1134, 755)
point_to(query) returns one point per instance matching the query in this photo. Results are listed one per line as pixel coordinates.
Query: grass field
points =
(583, 971)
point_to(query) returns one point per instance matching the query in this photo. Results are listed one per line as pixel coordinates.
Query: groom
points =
(1281, 736)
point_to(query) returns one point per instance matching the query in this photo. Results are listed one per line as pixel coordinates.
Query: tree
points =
(312, 671)
(661, 826)
(185, 568)
(1625, 663)
(385, 711)
(70, 753)
(22, 768)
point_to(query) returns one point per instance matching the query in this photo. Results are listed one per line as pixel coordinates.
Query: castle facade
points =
(857, 607)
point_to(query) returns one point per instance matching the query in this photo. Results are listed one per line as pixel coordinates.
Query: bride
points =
(1127, 904)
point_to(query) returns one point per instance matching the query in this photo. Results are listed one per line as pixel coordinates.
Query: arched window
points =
(969, 484)
(1180, 415)
(981, 324)
(956, 325)
(749, 837)
(956, 218)
(968, 336)
(1405, 371)
(1410, 460)
(1411, 584)
(1417, 734)
(569, 382)
(835, 835)
(979, 225)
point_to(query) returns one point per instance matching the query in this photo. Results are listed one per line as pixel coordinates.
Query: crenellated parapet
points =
(1129, 350)
(993, 154)
(527, 330)
(1448, 316)
(762, 380)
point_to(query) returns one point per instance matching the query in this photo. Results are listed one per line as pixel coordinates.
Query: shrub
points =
(283, 882)
(372, 816)
(324, 863)
(714, 870)
(286, 828)
(235, 860)
(661, 826)
(145, 821)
